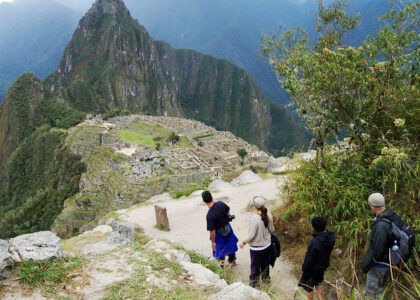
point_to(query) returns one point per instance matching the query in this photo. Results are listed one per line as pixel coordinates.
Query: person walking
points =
(259, 240)
(223, 240)
(317, 258)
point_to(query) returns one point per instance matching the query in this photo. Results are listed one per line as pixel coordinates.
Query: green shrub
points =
(340, 191)
(115, 112)
(192, 188)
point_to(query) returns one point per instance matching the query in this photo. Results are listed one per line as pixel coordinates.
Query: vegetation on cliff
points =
(40, 175)
(372, 93)
(37, 172)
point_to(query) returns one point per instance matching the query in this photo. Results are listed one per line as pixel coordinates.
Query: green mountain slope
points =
(37, 172)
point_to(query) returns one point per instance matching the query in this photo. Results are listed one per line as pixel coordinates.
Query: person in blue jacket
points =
(223, 240)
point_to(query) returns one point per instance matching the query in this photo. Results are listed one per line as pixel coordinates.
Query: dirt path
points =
(188, 226)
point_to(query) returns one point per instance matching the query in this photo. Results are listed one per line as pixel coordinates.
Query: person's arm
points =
(251, 234)
(378, 246)
(211, 227)
(213, 239)
(309, 257)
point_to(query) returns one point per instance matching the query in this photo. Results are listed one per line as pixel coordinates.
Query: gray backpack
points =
(397, 257)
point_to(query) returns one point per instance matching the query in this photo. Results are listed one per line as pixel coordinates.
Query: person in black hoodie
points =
(317, 258)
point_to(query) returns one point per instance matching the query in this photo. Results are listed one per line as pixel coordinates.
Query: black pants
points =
(260, 266)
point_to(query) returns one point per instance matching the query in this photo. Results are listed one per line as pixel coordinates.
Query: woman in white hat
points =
(259, 240)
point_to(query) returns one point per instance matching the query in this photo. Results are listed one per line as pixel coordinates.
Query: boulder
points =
(278, 165)
(162, 197)
(6, 261)
(247, 177)
(196, 193)
(311, 154)
(219, 185)
(117, 239)
(240, 290)
(125, 229)
(202, 276)
(37, 246)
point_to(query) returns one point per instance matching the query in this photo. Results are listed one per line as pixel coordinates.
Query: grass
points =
(192, 188)
(113, 215)
(202, 136)
(184, 142)
(197, 258)
(161, 227)
(49, 273)
(137, 138)
(138, 287)
(140, 237)
(160, 263)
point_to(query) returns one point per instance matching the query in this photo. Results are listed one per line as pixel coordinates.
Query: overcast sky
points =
(85, 4)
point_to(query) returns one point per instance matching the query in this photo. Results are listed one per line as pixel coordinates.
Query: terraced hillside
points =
(130, 159)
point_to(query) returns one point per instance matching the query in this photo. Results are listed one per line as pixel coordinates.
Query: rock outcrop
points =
(6, 261)
(219, 185)
(278, 165)
(37, 246)
(246, 177)
(240, 290)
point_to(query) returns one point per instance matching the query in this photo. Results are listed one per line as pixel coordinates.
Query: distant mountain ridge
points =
(33, 34)
(227, 29)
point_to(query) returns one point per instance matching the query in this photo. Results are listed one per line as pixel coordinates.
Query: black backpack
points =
(405, 237)
(275, 249)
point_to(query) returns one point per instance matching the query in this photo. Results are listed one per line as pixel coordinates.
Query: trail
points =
(188, 227)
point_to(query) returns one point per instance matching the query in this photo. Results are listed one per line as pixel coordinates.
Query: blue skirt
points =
(225, 245)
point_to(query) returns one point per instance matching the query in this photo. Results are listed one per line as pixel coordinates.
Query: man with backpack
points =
(390, 237)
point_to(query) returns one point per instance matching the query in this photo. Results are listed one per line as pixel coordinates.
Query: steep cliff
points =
(112, 62)
(37, 172)
(17, 114)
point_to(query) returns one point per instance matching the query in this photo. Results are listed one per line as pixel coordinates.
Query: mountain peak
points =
(109, 7)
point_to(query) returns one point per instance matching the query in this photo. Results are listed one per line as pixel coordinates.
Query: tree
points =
(334, 86)
(242, 153)
(302, 68)
(173, 138)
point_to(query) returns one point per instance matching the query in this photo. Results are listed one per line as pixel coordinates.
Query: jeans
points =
(375, 282)
(260, 266)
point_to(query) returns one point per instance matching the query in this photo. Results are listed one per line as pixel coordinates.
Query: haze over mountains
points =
(33, 33)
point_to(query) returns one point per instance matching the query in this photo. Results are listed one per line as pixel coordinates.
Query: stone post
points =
(162, 221)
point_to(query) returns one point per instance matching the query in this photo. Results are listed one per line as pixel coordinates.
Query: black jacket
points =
(317, 257)
(380, 241)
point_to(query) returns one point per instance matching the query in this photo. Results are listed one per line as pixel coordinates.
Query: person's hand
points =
(213, 245)
(242, 245)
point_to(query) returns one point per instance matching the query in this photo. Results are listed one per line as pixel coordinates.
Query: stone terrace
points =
(125, 166)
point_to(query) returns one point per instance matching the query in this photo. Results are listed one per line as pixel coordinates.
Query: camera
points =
(231, 218)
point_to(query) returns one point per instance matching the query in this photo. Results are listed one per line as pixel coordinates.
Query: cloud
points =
(1, 1)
